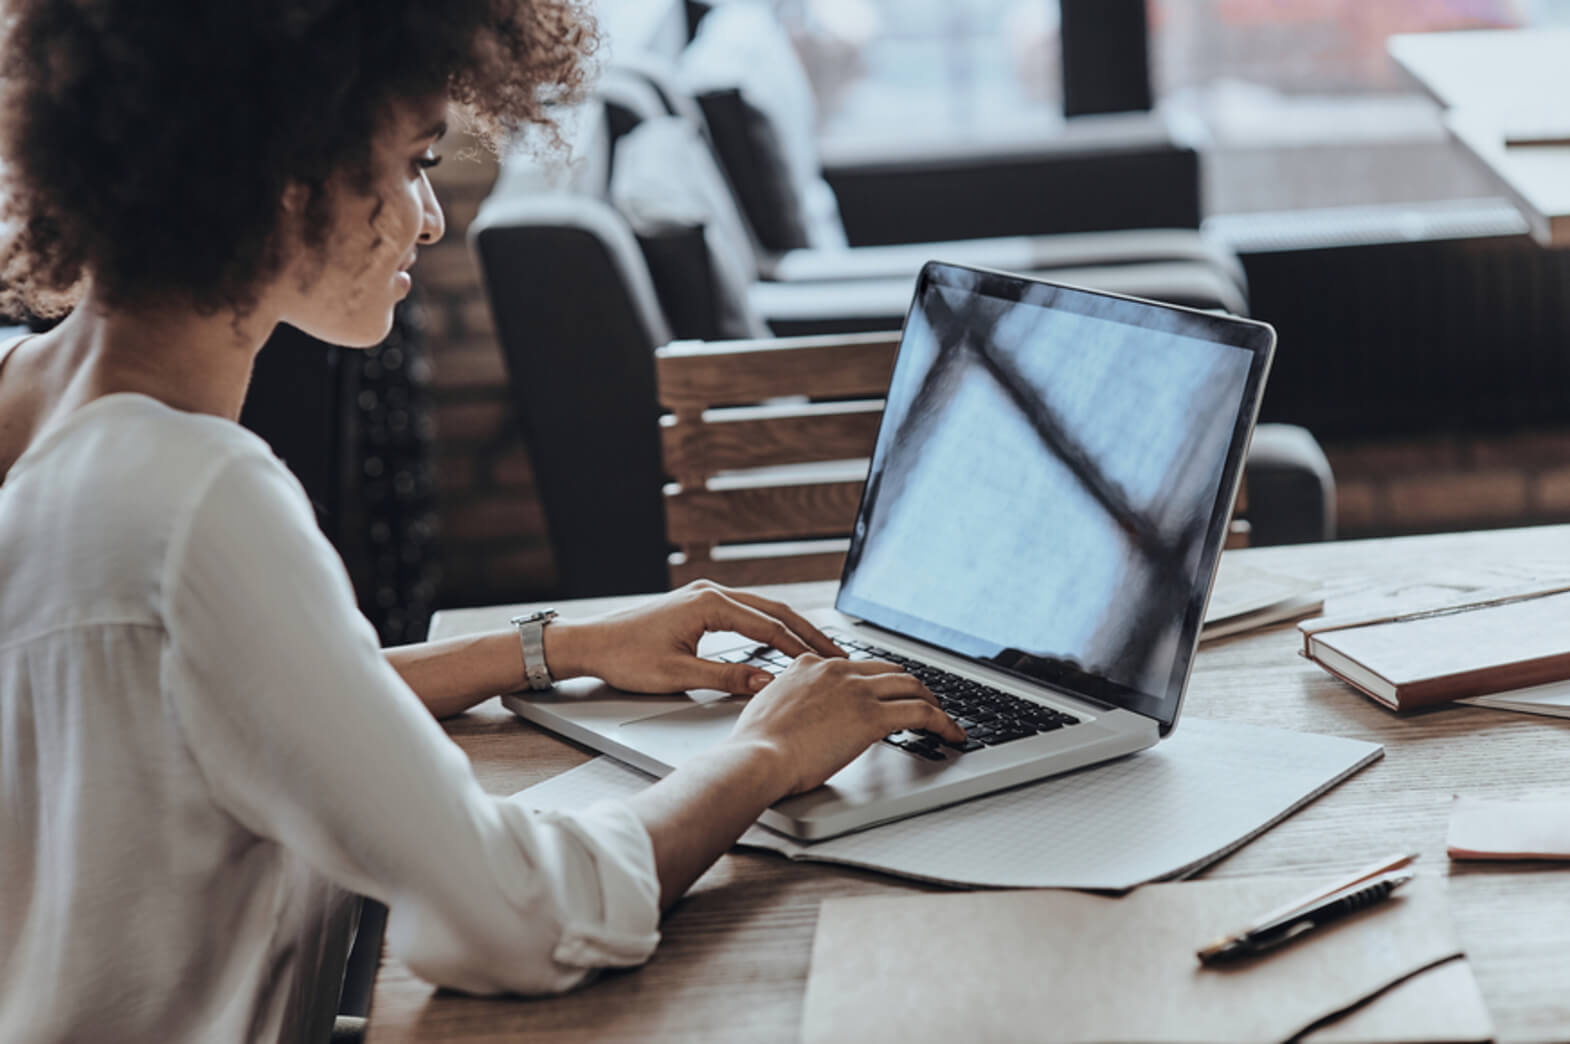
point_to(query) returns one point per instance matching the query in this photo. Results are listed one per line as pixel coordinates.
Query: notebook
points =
(1506, 641)
(1045, 506)
(1246, 598)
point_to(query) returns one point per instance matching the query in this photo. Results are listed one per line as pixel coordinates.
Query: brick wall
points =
(1438, 483)
(493, 540)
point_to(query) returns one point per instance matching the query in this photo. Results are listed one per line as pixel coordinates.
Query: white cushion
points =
(769, 142)
(664, 180)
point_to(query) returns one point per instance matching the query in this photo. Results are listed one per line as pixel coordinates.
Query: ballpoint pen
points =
(1275, 930)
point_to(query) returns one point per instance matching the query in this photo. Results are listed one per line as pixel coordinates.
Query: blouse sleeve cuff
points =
(627, 930)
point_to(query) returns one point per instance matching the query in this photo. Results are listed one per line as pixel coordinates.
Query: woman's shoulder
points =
(133, 432)
(94, 510)
(140, 460)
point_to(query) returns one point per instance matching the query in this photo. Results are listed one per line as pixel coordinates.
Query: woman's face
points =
(347, 296)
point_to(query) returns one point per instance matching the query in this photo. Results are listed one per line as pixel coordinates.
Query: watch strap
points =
(531, 634)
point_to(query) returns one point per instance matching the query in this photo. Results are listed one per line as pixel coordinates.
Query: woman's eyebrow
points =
(437, 130)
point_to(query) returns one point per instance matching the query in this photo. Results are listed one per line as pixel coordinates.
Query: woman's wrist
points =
(566, 650)
(768, 763)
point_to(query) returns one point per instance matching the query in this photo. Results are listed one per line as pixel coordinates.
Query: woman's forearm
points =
(694, 814)
(454, 674)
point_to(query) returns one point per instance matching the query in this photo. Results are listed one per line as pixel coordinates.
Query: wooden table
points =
(733, 964)
(1492, 82)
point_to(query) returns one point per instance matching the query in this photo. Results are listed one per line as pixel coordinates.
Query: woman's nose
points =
(432, 222)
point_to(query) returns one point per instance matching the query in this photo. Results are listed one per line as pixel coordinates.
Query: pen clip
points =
(1232, 940)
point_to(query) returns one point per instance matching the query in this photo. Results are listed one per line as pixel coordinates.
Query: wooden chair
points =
(768, 442)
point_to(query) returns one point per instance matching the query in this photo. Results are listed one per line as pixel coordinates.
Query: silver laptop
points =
(1043, 514)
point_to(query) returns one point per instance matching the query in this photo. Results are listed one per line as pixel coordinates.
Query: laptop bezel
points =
(1257, 338)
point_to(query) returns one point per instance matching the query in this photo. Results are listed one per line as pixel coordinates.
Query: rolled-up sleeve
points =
(309, 738)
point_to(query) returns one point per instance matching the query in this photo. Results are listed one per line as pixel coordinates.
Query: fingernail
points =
(758, 681)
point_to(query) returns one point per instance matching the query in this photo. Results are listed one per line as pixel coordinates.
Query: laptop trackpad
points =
(679, 735)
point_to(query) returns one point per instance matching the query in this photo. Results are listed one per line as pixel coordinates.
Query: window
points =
(1295, 102)
(953, 69)
(1302, 106)
(1311, 46)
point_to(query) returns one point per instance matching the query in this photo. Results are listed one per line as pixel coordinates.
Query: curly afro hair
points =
(149, 142)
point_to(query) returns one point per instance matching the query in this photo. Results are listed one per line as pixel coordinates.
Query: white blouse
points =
(202, 747)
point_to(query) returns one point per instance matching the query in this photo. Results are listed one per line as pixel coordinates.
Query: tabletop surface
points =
(1493, 83)
(734, 959)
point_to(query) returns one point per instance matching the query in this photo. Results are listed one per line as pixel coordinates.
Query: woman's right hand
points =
(821, 713)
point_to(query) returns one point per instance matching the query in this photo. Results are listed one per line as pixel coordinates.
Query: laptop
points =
(1043, 514)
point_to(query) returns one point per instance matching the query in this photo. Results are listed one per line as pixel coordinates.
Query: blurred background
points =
(1423, 332)
(1297, 100)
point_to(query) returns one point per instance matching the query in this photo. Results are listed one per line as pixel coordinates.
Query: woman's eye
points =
(426, 161)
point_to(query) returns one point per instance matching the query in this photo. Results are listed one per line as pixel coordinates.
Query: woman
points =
(203, 750)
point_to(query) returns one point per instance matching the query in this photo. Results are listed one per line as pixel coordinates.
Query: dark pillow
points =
(758, 103)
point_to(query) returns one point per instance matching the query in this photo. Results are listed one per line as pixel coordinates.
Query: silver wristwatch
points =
(531, 632)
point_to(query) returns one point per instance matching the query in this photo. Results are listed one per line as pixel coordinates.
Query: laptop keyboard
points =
(989, 716)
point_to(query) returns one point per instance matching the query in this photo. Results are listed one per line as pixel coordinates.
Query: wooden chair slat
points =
(753, 439)
(728, 417)
(743, 572)
(699, 374)
(783, 512)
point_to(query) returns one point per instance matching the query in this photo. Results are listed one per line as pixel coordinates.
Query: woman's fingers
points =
(918, 714)
(892, 686)
(895, 684)
(726, 677)
(815, 639)
(721, 612)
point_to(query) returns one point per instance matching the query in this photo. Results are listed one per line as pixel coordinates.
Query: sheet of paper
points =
(1535, 827)
(1552, 699)
(1165, 812)
(1056, 965)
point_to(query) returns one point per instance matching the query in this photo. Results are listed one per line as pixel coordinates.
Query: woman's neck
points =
(187, 360)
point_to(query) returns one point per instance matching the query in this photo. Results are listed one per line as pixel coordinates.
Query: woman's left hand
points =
(654, 648)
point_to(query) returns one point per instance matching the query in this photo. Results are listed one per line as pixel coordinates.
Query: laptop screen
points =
(1052, 482)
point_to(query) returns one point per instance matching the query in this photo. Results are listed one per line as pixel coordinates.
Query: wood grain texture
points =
(702, 374)
(769, 436)
(750, 572)
(734, 960)
(783, 512)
